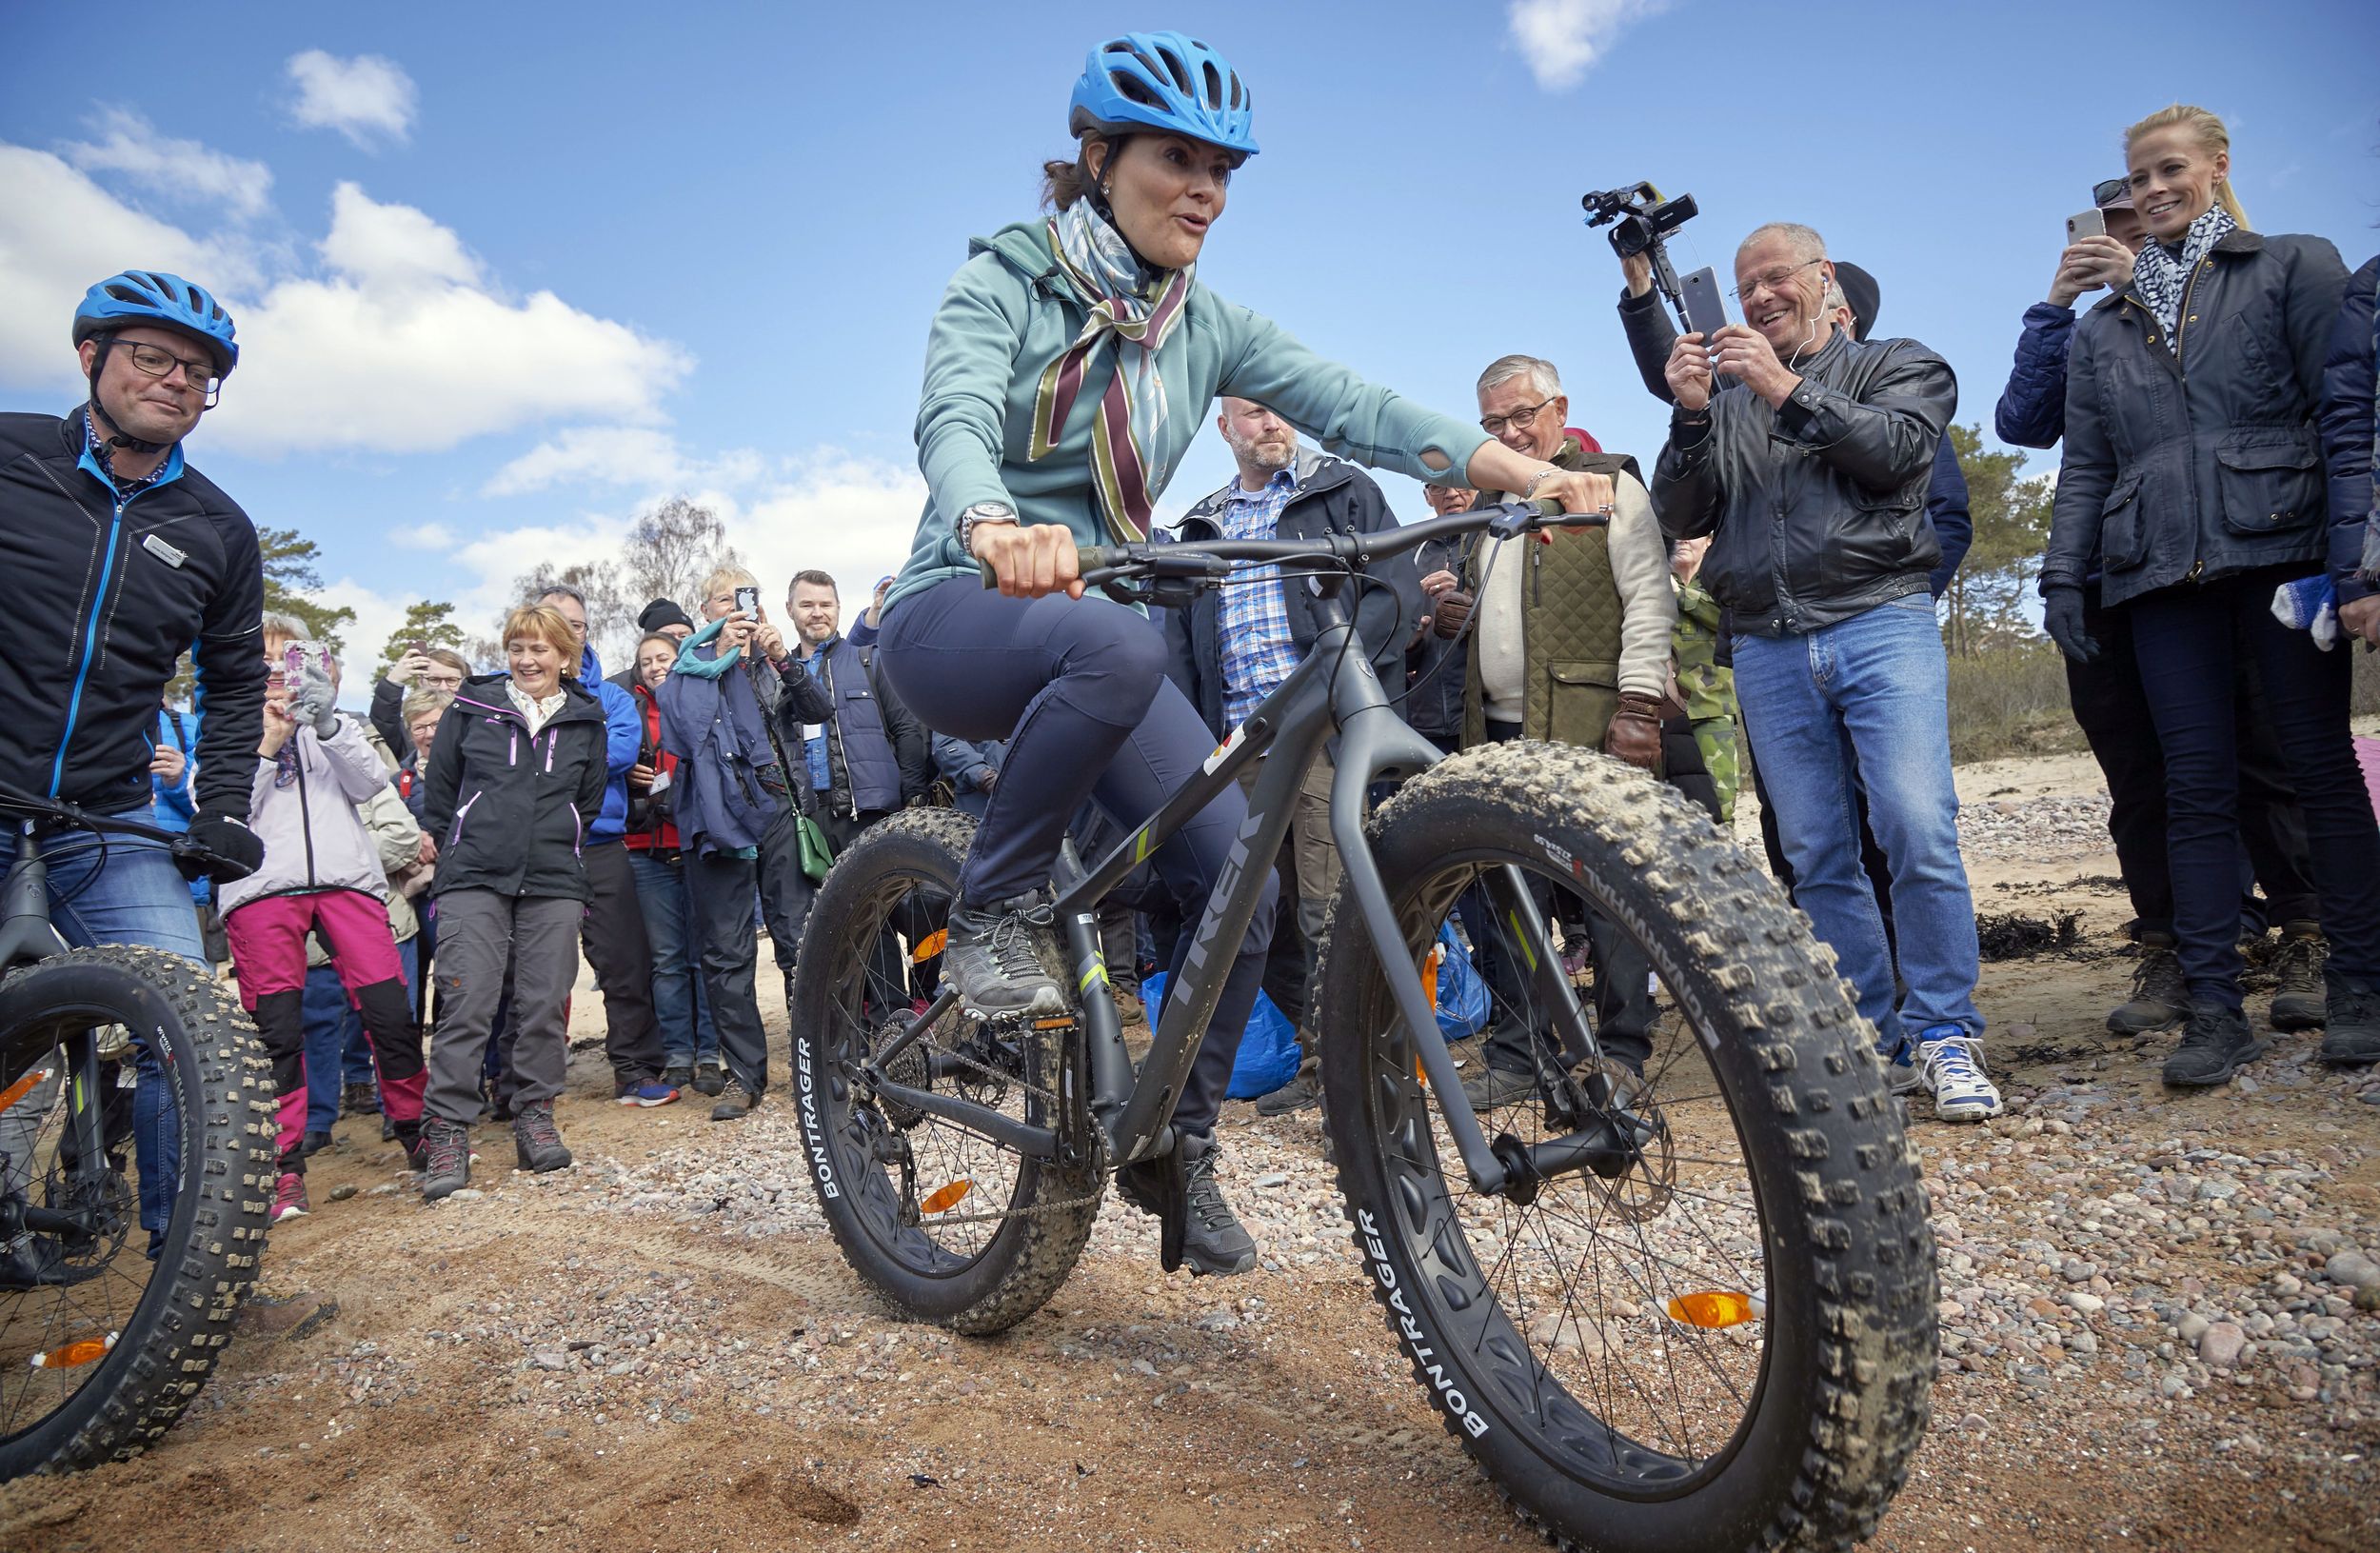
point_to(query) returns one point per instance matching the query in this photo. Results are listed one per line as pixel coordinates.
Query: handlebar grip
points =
(1089, 558)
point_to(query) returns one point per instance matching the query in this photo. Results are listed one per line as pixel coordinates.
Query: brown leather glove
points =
(1635, 733)
(1452, 609)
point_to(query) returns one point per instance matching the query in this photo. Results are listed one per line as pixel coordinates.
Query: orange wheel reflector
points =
(944, 1201)
(1429, 974)
(23, 1087)
(1713, 1307)
(75, 1353)
(930, 946)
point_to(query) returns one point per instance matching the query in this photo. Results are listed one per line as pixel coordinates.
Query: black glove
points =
(2062, 617)
(242, 851)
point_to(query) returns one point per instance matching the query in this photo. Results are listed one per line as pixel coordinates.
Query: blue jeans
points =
(665, 896)
(1865, 702)
(138, 897)
(337, 1051)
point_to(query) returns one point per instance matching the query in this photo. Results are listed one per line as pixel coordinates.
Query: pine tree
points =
(429, 622)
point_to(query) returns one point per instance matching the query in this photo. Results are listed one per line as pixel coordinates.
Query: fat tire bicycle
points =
(1676, 1304)
(129, 1079)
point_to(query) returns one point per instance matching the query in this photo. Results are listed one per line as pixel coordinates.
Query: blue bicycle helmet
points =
(1167, 82)
(152, 296)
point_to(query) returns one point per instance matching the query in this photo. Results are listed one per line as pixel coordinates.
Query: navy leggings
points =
(2185, 639)
(1079, 688)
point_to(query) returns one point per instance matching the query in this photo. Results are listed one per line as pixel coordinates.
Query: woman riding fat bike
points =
(1066, 373)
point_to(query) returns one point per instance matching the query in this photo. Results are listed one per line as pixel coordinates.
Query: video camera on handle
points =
(1641, 221)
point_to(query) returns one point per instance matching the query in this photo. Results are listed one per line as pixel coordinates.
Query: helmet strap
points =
(117, 436)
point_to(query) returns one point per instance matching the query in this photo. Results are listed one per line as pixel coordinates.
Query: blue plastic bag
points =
(1268, 1050)
(1462, 995)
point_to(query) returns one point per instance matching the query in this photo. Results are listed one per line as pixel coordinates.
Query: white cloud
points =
(421, 536)
(402, 347)
(638, 457)
(1562, 39)
(181, 170)
(59, 232)
(849, 516)
(364, 98)
(397, 341)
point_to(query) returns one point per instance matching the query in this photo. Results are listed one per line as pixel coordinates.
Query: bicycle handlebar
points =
(75, 817)
(1207, 559)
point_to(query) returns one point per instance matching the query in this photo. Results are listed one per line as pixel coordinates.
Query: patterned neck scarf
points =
(2160, 277)
(1099, 264)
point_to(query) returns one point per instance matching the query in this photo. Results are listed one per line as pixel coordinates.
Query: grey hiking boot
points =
(1212, 1240)
(2298, 1002)
(446, 1157)
(536, 1138)
(2215, 1044)
(2160, 1000)
(2353, 1036)
(993, 956)
(735, 1103)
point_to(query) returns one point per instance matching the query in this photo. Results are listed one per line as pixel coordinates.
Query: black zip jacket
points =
(1332, 497)
(510, 810)
(1817, 511)
(103, 596)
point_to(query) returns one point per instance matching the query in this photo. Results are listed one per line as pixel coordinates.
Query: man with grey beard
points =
(1234, 645)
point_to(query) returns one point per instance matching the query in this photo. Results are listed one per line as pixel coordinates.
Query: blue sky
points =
(505, 274)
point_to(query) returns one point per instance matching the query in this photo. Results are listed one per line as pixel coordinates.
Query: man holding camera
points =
(1805, 454)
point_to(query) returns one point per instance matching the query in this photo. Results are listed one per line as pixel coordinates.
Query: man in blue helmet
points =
(120, 557)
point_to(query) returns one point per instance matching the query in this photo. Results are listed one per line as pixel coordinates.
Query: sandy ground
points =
(660, 1349)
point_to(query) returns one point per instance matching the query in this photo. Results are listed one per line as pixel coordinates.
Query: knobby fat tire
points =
(1845, 1397)
(177, 1331)
(1035, 1252)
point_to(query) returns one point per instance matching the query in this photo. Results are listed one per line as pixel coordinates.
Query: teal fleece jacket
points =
(1008, 315)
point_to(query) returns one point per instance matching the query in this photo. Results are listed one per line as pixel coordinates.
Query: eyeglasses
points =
(2108, 190)
(1770, 279)
(1519, 420)
(448, 681)
(158, 362)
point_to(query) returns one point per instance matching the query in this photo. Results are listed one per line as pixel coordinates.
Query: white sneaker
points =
(1953, 1068)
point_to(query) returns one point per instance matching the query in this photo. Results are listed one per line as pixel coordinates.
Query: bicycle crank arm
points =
(1034, 1143)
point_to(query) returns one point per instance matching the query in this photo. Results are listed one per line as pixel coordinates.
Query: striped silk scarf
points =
(1101, 267)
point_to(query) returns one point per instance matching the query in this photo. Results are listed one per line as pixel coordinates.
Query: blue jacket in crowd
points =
(2032, 412)
(624, 735)
(963, 765)
(2351, 426)
(172, 808)
(726, 788)
(863, 767)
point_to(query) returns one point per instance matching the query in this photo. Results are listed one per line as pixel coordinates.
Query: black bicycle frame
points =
(1334, 687)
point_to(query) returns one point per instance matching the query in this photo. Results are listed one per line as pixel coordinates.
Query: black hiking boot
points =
(359, 1100)
(994, 958)
(1300, 1092)
(2215, 1044)
(2159, 997)
(446, 1157)
(710, 1079)
(2298, 1002)
(536, 1138)
(2353, 1036)
(1212, 1239)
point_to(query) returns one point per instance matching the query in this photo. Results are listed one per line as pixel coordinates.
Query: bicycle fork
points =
(1600, 1139)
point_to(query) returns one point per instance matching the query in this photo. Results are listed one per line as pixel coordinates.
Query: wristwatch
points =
(982, 512)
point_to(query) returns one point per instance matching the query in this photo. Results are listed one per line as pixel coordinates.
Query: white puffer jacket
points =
(313, 837)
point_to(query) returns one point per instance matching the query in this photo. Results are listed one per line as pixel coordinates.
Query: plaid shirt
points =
(1259, 652)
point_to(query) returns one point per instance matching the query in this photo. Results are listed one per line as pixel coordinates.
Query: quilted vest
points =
(1570, 624)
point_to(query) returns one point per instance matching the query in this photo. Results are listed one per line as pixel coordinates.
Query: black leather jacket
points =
(2193, 468)
(1817, 511)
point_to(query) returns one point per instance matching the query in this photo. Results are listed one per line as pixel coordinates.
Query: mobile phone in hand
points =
(1706, 314)
(2091, 223)
(749, 602)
